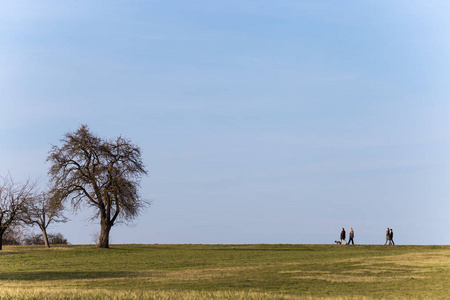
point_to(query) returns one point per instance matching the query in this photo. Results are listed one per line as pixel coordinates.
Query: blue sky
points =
(259, 121)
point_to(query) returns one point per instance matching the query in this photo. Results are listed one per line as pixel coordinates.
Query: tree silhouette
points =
(104, 174)
(13, 202)
(41, 211)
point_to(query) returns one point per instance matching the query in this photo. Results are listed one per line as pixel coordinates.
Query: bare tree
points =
(104, 174)
(41, 211)
(13, 201)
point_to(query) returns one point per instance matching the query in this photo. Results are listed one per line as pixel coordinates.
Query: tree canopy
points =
(41, 211)
(101, 173)
(13, 203)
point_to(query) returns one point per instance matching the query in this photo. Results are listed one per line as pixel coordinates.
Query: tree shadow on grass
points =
(256, 249)
(49, 275)
(5, 253)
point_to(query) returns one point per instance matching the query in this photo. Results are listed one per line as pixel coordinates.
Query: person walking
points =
(351, 235)
(387, 236)
(391, 237)
(343, 236)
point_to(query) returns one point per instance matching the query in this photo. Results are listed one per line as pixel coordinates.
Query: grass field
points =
(225, 272)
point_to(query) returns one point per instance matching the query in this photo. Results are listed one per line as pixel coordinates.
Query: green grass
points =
(225, 272)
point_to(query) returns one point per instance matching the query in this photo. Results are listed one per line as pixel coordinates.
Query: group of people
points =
(389, 237)
(351, 235)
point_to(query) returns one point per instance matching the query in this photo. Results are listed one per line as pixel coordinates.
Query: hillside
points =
(225, 272)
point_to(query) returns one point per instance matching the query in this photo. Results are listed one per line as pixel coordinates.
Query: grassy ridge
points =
(225, 271)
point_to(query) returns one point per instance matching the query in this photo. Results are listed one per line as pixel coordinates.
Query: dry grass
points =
(40, 293)
(418, 266)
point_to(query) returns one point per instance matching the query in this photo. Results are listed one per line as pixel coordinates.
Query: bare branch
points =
(101, 173)
(13, 202)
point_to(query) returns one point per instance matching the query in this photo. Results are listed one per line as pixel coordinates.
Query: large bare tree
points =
(101, 173)
(13, 202)
(41, 211)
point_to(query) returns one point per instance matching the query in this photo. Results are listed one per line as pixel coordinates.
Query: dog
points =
(338, 242)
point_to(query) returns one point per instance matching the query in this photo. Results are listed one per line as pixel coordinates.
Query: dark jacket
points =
(343, 235)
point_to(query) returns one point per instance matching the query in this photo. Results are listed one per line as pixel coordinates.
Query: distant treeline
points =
(16, 237)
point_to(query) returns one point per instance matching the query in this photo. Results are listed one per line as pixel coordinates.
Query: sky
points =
(259, 121)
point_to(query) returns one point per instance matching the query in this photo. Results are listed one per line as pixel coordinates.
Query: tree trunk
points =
(104, 234)
(44, 233)
(1, 240)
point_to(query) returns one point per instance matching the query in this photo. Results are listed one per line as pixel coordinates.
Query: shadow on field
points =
(42, 276)
(10, 253)
(255, 249)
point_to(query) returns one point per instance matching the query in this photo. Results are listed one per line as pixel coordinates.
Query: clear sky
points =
(260, 121)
